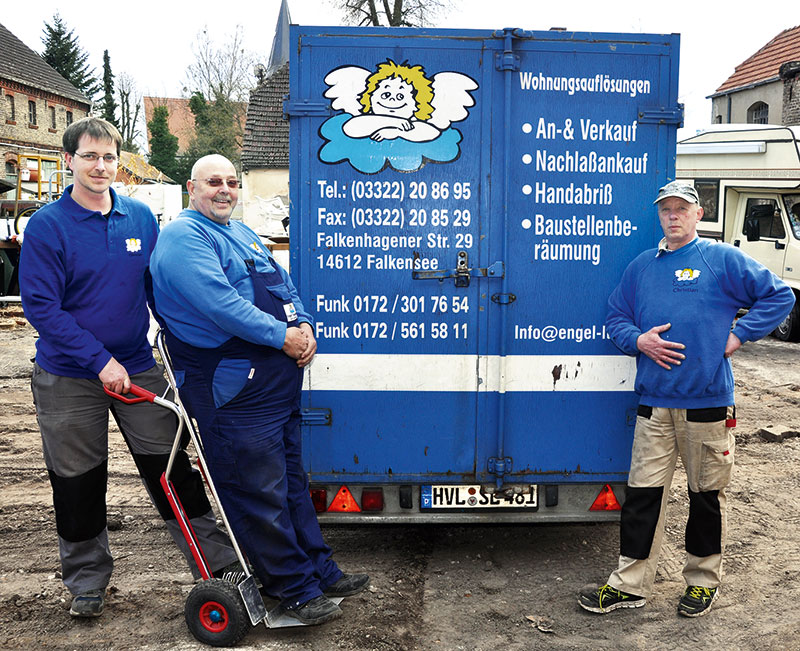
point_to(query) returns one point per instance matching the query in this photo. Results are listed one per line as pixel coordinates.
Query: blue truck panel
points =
(462, 204)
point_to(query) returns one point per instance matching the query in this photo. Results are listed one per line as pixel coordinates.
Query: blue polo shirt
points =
(83, 280)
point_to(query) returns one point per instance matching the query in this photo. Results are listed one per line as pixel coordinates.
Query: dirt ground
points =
(443, 587)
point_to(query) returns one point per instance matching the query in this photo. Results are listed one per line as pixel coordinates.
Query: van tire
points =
(789, 329)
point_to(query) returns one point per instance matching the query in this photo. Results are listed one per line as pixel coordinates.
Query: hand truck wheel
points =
(215, 613)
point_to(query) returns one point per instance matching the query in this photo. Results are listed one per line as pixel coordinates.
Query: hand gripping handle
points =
(142, 395)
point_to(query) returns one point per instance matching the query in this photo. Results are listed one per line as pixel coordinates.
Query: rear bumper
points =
(558, 503)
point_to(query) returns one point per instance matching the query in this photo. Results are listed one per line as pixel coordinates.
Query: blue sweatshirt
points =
(201, 286)
(698, 288)
(82, 278)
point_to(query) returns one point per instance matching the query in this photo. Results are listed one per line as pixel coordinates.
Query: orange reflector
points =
(344, 502)
(319, 498)
(372, 499)
(606, 500)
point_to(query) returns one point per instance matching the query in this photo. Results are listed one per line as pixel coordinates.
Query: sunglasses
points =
(217, 183)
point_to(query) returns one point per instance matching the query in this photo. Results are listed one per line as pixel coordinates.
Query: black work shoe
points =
(88, 604)
(348, 585)
(315, 611)
(697, 600)
(605, 599)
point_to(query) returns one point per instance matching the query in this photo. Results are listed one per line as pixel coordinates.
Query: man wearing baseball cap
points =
(674, 310)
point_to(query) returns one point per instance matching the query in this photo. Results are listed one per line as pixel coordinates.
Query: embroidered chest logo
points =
(133, 245)
(255, 247)
(685, 279)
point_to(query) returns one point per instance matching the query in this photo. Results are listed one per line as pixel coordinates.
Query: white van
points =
(748, 179)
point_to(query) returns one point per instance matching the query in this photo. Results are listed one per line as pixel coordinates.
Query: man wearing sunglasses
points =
(85, 286)
(239, 338)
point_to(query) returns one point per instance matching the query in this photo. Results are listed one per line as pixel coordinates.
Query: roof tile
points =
(764, 64)
(21, 64)
(266, 134)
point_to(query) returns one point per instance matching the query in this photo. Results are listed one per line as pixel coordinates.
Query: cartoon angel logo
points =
(394, 116)
(687, 275)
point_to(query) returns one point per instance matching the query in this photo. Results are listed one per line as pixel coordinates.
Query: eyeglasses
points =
(217, 182)
(91, 157)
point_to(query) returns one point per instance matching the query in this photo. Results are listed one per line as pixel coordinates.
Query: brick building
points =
(180, 119)
(36, 106)
(765, 88)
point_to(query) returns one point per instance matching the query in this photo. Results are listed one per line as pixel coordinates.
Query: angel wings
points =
(399, 101)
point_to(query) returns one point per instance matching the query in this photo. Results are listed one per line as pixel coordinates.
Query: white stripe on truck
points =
(374, 372)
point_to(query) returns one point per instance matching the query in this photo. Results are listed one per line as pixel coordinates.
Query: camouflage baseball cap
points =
(680, 189)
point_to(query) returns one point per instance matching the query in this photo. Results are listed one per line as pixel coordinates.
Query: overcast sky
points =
(152, 41)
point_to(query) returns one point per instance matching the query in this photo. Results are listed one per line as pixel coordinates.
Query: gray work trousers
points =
(73, 420)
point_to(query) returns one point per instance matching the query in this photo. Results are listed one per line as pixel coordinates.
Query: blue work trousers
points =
(253, 447)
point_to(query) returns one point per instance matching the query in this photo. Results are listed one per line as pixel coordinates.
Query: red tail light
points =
(319, 498)
(606, 500)
(372, 499)
(344, 502)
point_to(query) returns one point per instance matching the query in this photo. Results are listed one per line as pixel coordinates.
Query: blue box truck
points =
(462, 204)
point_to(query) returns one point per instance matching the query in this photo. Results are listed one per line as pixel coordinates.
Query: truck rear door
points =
(462, 205)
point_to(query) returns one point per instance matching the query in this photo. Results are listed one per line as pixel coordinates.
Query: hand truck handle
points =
(142, 395)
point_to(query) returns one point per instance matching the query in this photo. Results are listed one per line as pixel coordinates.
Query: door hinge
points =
(661, 115)
(315, 416)
(504, 299)
(507, 61)
(499, 466)
(304, 108)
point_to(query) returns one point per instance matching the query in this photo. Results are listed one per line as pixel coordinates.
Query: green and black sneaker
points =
(605, 599)
(697, 600)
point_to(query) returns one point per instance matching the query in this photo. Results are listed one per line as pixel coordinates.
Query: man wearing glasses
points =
(239, 338)
(85, 285)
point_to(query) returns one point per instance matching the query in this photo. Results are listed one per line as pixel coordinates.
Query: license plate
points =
(470, 497)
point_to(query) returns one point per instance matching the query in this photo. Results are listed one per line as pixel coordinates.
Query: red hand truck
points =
(217, 610)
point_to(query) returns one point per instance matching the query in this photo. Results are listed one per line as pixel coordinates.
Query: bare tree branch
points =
(221, 71)
(399, 13)
(130, 105)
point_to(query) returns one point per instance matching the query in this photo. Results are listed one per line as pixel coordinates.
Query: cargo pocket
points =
(230, 377)
(716, 464)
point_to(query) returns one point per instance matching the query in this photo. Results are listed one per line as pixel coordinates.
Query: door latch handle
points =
(463, 273)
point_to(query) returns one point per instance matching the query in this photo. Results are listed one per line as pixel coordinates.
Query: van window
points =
(792, 203)
(768, 214)
(708, 191)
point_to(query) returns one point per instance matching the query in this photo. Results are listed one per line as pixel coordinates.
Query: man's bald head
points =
(210, 188)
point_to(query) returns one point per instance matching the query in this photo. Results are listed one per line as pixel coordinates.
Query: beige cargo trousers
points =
(705, 443)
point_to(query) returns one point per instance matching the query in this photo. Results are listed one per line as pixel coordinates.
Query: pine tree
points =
(217, 128)
(163, 144)
(63, 52)
(108, 107)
